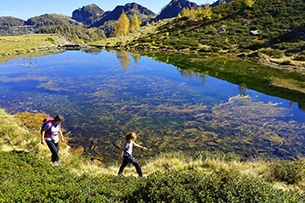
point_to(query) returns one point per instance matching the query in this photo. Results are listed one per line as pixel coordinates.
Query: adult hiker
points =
(50, 132)
(126, 153)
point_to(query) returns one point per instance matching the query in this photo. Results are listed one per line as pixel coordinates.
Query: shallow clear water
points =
(104, 95)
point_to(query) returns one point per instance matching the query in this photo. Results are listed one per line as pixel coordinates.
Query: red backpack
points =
(45, 121)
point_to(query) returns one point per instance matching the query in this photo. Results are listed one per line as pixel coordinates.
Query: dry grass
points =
(13, 136)
(23, 45)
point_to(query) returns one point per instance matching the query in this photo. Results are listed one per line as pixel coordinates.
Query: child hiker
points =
(126, 154)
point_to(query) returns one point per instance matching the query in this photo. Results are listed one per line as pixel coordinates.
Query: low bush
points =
(275, 53)
(192, 186)
(291, 172)
(299, 58)
(27, 178)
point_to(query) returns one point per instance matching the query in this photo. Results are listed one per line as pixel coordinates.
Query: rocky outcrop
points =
(88, 15)
(130, 9)
(219, 2)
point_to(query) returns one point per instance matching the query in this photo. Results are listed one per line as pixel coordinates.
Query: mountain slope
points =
(51, 20)
(174, 8)
(130, 9)
(219, 2)
(65, 26)
(10, 21)
(7, 23)
(88, 14)
(267, 30)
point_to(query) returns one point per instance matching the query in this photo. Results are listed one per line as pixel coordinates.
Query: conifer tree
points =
(122, 26)
(188, 13)
(205, 13)
(135, 23)
(185, 12)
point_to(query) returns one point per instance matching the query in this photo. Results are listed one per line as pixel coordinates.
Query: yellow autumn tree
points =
(185, 12)
(135, 23)
(204, 13)
(249, 3)
(122, 26)
(188, 13)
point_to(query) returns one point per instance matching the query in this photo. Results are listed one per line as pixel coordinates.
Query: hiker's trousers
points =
(54, 148)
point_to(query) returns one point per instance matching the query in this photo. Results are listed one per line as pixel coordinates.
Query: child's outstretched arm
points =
(139, 146)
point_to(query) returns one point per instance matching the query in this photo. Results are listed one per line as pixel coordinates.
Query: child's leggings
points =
(132, 160)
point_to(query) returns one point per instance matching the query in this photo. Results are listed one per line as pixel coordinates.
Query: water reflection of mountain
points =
(27, 62)
(93, 52)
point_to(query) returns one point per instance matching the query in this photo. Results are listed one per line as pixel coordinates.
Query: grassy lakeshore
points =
(28, 45)
(28, 176)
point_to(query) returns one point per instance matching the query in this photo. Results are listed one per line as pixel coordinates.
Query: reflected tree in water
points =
(136, 57)
(124, 59)
(191, 74)
(242, 90)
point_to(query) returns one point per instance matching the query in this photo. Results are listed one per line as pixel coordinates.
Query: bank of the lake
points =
(30, 45)
(28, 176)
(42, 44)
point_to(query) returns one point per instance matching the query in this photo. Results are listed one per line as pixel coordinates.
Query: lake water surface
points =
(106, 94)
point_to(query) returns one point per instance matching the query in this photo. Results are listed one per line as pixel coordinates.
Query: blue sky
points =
(25, 9)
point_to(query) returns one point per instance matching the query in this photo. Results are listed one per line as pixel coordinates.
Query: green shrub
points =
(192, 186)
(205, 49)
(26, 178)
(300, 57)
(273, 53)
(144, 39)
(50, 39)
(291, 172)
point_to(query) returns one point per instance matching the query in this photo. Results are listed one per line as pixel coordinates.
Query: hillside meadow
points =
(27, 175)
(29, 45)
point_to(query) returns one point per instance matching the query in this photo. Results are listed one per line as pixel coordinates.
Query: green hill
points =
(27, 175)
(65, 26)
(6, 24)
(269, 30)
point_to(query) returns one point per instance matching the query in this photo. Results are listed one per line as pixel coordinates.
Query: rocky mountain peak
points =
(130, 9)
(174, 8)
(88, 14)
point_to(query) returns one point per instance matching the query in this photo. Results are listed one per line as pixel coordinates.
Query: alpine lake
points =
(174, 102)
